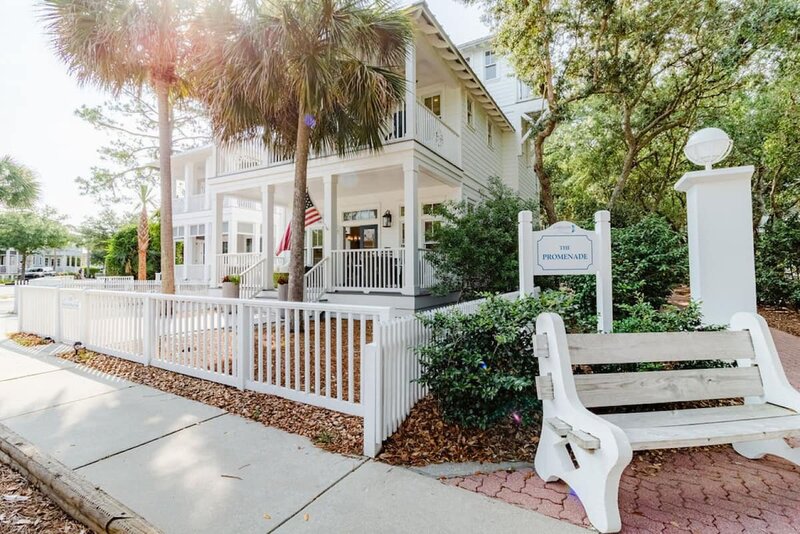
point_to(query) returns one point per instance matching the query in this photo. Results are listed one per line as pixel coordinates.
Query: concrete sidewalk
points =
(188, 467)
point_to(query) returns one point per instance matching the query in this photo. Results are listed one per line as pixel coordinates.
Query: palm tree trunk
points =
(165, 163)
(143, 238)
(296, 263)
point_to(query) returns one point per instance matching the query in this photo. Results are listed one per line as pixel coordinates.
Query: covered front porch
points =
(377, 227)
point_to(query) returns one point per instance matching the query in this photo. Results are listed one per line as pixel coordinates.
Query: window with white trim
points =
(489, 65)
(489, 133)
(434, 103)
(524, 91)
(470, 112)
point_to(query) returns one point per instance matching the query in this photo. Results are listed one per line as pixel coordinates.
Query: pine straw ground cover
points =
(24, 509)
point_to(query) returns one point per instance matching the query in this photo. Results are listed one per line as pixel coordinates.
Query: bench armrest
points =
(565, 404)
(777, 388)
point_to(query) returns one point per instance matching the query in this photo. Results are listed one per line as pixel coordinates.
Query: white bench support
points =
(777, 389)
(589, 452)
(596, 477)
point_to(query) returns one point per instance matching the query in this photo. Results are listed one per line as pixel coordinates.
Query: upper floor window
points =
(489, 65)
(470, 112)
(489, 133)
(523, 90)
(434, 103)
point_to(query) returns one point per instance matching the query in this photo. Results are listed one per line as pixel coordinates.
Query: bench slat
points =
(713, 433)
(696, 416)
(593, 349)
(651, 387)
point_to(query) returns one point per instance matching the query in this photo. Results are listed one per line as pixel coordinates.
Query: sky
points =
(38, 98)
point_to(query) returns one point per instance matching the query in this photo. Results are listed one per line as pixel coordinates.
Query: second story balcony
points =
(429, 130)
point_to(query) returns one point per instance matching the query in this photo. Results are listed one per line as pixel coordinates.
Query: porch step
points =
(267, 294)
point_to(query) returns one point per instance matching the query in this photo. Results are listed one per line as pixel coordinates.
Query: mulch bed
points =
(329, 430)
(784, 319)
(425, 438)
(25, 509)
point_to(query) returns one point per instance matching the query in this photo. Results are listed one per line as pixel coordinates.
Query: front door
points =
(361, 237)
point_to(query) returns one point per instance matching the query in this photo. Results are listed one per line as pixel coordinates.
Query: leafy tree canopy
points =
(28, 232)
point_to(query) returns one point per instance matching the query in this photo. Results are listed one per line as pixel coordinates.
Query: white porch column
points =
(411, 203)
(720, 225)
(215, 232)
(330, 218)
(268, 232)
(188, 175)
(411, 90)
(188, 250)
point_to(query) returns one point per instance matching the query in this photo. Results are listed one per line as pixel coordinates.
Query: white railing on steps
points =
(314, 281)
(252, 280)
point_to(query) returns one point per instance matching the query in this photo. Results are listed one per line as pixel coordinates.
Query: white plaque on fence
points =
(564, 248)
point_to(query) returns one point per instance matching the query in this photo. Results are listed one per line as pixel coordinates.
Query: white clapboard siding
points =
(591, 349)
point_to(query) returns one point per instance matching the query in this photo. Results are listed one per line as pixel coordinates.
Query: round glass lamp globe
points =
(708, 146)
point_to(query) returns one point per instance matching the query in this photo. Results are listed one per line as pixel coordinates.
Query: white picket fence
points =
(357, 360)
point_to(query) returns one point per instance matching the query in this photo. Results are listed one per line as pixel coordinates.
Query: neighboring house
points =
(62, 260)
(450, 136)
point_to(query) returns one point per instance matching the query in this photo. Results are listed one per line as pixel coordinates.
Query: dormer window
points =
(489, 65)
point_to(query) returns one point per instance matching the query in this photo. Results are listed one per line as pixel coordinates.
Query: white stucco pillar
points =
(720, 225)
(411, 89)
(215, 234)
(268, 232)
(411, 203)
(330, 219)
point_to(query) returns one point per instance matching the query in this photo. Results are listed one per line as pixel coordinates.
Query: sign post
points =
(566, 249)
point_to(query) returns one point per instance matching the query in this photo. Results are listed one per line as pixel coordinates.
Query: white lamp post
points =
(719, 216)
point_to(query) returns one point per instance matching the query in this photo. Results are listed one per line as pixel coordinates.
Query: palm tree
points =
(19, 187)
(302, 75)
(143, 229)
(116, 44)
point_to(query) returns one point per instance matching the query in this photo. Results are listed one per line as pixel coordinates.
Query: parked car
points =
(38, 272)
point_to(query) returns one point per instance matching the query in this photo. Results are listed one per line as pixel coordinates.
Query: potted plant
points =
(230, 286)
(282, 281)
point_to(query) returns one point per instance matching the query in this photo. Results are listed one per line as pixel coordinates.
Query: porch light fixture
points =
(387, 219)
(707, 147)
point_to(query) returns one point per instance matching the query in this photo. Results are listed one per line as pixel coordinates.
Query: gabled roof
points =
(439, 40)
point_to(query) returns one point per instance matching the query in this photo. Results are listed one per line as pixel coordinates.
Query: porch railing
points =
(252, 280)
(314, 281)
(426, 274)
(368, 269)
(193, 272)
(228, 264)
(437, 136)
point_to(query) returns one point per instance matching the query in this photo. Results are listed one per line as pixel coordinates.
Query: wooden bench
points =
(589, 451)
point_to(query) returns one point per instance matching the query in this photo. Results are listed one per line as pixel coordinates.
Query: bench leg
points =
(776, 447)
(595, 481)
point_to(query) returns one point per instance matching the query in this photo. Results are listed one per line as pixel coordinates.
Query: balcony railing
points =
(431, 131)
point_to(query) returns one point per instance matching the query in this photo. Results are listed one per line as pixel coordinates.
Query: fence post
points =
(525, 232)
(605, 309)
(244, 343)
(83, 317)
(147, 331)
(372, 402)
(57, 323)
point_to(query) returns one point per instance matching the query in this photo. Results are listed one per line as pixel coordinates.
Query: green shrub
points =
(232, 278)
(480, 367)
(778, 263)
(649, 259)
(477, 243)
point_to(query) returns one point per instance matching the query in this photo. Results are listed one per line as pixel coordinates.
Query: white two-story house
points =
(461, 123)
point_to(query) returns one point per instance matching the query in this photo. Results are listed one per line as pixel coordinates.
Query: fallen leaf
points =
(267, 516)
(305, 517)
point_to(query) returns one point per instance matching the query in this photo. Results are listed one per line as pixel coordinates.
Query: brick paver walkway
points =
(711, 490)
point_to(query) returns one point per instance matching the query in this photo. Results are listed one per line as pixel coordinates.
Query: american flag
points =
(312, 216)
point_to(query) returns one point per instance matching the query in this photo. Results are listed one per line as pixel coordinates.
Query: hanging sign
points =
(564, 248)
